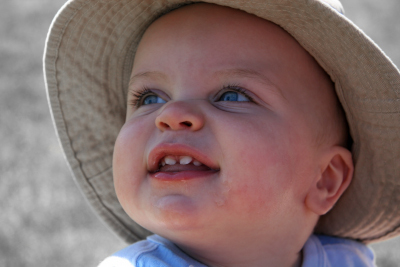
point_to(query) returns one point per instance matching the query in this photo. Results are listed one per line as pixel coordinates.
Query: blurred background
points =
(44, 220)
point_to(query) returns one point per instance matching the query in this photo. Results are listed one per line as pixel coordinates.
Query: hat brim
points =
(88, 59)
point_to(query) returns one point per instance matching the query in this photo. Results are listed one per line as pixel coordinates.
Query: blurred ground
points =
(44, 220)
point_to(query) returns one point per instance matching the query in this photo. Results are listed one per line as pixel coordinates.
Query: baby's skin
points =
(220, 150)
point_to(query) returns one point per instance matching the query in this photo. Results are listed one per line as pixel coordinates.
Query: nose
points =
(180, 115)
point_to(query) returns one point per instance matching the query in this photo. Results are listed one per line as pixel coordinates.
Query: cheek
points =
(253, 149)
(262, 162)
(129, 168)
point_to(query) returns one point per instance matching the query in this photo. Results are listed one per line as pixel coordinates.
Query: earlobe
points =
(336, 174)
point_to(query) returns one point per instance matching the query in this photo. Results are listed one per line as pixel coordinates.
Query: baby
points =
(234, 142)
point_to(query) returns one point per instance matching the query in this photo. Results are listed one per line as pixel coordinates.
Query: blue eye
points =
(233, 96)
(152, 99)
(143, 97)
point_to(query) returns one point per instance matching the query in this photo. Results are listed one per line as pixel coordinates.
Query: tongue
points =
(180, 168)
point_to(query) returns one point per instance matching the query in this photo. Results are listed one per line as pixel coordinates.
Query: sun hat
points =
(87, 63)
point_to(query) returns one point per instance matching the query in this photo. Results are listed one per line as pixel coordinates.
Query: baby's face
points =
(221, 127)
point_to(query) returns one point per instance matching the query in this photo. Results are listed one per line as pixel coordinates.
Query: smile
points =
(179, 161)
(173, 163)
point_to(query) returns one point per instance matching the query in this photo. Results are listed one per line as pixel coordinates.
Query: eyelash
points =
(137, 97)
(235, 88)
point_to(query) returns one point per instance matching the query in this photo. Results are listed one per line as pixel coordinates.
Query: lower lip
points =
(183, 175)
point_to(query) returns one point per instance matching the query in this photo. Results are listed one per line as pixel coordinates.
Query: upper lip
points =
(176, 149)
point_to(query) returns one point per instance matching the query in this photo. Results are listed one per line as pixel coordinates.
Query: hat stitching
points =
(386, 235)
(58, 27)
(80, 43)
(73, 60)
(86, 186)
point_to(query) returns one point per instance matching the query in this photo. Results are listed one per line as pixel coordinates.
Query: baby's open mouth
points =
(173, 163)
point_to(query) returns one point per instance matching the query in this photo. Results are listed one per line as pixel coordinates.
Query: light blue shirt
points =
(319, 251)
(325, 251)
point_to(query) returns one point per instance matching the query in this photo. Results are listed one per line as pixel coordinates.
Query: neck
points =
(274, 245)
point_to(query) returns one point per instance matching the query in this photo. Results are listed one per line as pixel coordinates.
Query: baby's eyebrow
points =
(235, 72)
(154, 75)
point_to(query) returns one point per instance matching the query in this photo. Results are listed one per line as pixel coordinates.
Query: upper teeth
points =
(196, 163)
(169, 160)
(183, 160)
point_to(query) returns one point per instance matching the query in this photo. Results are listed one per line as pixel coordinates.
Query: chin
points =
(173, 214)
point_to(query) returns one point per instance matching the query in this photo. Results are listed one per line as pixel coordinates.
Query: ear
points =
(336, 173)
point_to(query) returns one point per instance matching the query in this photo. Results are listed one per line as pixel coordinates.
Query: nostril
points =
(187, 123)
(164, 125)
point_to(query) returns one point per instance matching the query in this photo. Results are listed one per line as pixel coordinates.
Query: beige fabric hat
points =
(88, 59)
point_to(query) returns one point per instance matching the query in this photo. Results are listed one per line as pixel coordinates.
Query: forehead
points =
(208, 34)
(201, 40)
